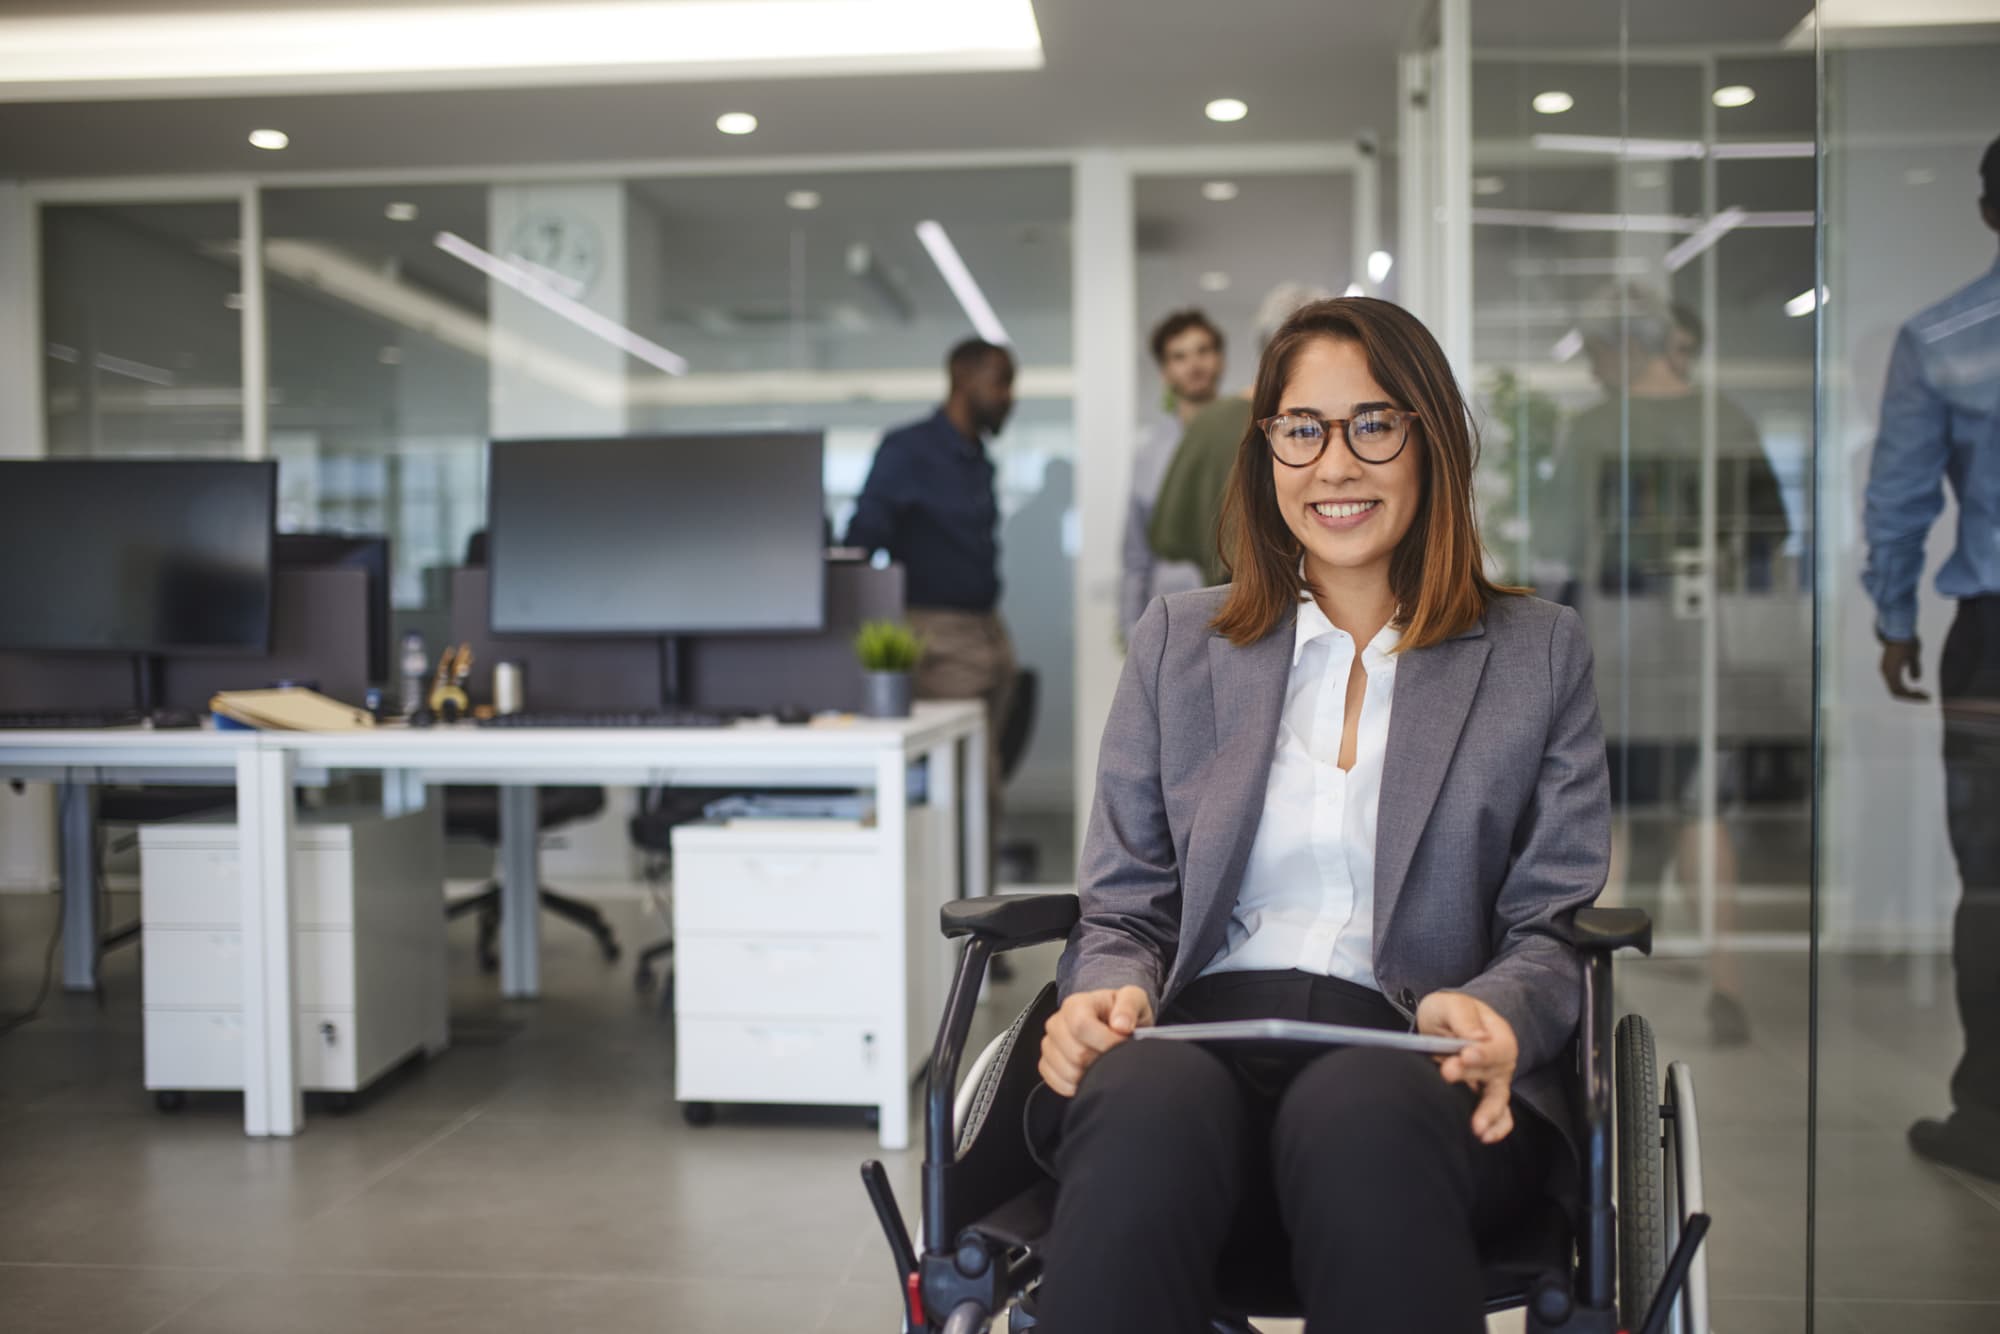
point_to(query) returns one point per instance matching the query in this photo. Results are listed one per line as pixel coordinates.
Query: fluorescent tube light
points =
(1711, 231)
(332, 47)
(538, 291)
(959, 278)
(1668, 150)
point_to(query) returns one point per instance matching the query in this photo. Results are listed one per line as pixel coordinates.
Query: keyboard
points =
(674, 718)
(79, 719)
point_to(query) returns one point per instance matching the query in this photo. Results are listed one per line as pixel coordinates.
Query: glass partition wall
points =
(1907, 1160)
(1640, 220)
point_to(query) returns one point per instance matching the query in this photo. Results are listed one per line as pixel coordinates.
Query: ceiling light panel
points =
(328, 48)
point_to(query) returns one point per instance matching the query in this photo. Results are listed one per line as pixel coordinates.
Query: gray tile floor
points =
(537, 1177)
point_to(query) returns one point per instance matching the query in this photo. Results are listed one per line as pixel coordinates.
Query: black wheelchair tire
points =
(1642, 1200)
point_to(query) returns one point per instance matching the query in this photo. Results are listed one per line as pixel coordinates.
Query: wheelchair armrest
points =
(1612, 929)
(1011, 921)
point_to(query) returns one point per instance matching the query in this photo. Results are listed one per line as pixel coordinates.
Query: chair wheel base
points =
(170, 1100)
(698, 1113)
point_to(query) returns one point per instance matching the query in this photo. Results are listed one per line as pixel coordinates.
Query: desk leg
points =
(978, 838)
(272, 1104)
(79, 886)
(520, 895)
(902, 917)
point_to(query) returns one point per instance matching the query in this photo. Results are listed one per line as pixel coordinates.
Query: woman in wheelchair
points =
(1361, 784)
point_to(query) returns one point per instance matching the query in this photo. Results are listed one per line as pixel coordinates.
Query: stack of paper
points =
(290, 709)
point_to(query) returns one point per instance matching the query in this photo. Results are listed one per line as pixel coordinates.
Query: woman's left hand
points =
(1487, 1061)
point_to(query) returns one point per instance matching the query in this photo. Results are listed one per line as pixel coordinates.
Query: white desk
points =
(267, 766)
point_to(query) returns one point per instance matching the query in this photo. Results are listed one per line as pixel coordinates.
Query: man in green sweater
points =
(1188, 512)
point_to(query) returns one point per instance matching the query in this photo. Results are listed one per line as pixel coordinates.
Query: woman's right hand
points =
(1089, 1024)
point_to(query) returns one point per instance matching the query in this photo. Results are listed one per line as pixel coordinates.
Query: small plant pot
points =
(885, 694)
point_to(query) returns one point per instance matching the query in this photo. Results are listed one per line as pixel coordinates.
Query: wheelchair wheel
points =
(1642, 1200)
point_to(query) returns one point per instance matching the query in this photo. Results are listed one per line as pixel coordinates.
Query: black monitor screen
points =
(656, 536)
(355, 551)
(136, 556)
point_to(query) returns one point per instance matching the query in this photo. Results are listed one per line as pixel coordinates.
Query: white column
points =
(27, 818)
(1105, 339)
(272, 1104)
(577, 233)
(1454, 185)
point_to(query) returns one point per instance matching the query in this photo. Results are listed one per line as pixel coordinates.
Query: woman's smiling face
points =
(1348, 515)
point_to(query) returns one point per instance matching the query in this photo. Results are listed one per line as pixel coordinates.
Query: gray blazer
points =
(1494, 825)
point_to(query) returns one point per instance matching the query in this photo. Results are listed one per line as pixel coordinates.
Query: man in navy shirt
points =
(929, 503)
(1941, 422)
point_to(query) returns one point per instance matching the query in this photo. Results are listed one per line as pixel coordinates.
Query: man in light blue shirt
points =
(1941, 421)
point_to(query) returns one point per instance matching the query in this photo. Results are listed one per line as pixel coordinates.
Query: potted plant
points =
(888, 651)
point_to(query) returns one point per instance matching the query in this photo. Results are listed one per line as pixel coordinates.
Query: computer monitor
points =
(657, 536)
(368, 552)
(136, 556)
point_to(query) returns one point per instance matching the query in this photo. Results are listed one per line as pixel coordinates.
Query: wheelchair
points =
(987, 1205)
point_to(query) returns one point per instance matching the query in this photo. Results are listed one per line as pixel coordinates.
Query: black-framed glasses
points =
(1299, 438)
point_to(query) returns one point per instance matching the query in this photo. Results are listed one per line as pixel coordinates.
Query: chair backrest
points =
(1019, 729)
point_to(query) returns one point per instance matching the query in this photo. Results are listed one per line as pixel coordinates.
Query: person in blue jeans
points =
(1941, 421)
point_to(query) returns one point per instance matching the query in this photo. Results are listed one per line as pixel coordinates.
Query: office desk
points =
(266, 767)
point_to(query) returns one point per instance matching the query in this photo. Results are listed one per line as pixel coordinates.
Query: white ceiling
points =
(1118, 72)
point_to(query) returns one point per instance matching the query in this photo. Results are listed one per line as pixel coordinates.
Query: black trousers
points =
(1970, 670)
(1354, 1173)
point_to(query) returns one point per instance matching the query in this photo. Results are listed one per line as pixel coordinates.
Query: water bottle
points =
(416, 670)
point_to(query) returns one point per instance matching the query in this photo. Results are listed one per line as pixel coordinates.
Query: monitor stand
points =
(671, 673)
(147, 671)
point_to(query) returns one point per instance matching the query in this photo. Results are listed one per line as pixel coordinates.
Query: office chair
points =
(473, 813)
(987, 1205)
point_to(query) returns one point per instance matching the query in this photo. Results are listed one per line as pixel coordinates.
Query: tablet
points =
(1299, 1030)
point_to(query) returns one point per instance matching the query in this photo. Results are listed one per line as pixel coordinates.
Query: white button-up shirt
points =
(1308, 895)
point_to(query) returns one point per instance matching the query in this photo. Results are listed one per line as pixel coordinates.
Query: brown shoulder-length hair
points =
(1437, 571)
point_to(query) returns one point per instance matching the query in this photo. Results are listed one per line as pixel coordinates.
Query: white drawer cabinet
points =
(368, 944)
(808, 967)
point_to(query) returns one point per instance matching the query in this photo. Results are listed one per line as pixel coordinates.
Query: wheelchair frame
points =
(978, 1259)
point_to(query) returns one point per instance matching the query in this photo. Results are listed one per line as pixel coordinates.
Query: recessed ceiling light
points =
(1220, 192)
(803, 200)
(1226, 109)
(390, 356)
(1214, 281)
(1379, 264)
(1734, 95)
(1355, 289)
(401, 210)
(1487, 185)
(736, 122)
(1806, 302)
(269, 139)
(1554, 102)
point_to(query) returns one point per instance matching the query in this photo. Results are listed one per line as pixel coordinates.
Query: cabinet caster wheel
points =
(698, 1113)
(340, 1104)
(873, 1117)
(170, 1100)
